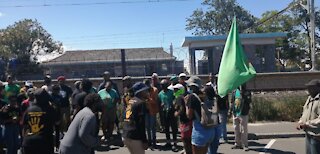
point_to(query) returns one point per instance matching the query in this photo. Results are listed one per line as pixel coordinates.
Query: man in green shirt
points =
(110, 99)
(166, 98)
(11, 89)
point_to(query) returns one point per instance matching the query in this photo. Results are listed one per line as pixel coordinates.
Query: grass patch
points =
(277, 106)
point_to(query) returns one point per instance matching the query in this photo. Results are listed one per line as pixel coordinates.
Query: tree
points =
(22, 42)
(295, 48)
(217, 18)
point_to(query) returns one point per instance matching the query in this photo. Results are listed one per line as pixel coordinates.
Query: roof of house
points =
(111, 55)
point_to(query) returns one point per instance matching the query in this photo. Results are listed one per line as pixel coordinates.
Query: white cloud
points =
(1, 14)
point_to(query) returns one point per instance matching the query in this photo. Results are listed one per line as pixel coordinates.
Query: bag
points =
(209, 113)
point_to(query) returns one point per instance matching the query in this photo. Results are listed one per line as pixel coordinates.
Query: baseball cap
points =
(61, 78)
(28, 83)
(182, 75)
(194, 81)
(178, 86)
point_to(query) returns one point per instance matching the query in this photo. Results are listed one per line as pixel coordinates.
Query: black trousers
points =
(170, 122)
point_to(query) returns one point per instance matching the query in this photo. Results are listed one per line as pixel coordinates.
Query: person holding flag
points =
(234, 71)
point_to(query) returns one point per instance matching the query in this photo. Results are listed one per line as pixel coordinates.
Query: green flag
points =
(234, 67)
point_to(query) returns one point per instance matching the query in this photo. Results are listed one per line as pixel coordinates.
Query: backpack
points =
(209, 113)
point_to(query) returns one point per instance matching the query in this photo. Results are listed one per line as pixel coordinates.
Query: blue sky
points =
(117, 24)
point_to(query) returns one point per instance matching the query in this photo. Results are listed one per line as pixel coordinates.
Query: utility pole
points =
(123, 62)
(171, 54)
(311, 24)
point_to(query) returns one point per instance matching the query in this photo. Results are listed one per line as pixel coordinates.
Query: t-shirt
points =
(11, 90)
(109, 97)
(66, 93)
(38, 127)
(103, 84)
(10, 113)
(194, 104)
(166, 98)
(134, 122)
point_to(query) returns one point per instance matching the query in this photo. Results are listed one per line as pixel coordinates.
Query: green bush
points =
(284, 106)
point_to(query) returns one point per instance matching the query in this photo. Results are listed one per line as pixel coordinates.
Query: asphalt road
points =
(263, 146)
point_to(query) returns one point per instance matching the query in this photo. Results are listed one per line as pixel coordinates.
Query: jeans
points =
(201, 137)
(312, 145)
(223, 116)
(213, 146)
(11, 136)
(241, 130)
(151, 128)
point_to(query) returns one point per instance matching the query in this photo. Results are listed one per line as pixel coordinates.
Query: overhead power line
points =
(90, 3)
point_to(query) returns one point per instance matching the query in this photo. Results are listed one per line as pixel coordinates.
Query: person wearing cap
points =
(310, 120)
(185, 123)
(47, 83)
(174, 80)
(38, 125)
(240, 107)
(28, 102)
(134, 131)
(65, 92)
(201, 137)
(182, 80)
(82, 135)
(152, 110)
(110, 100)
(166, 99)
(11, 88)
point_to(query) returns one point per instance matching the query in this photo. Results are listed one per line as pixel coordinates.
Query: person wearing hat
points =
(38, 124)
(310, 120)
(182, 80)
(166, 98)
(174, 80)
(65, 92)
(201, 137)
(82, 135)
(185, 123)
(134, 131)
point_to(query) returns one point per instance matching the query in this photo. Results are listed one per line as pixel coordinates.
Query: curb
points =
(256, 136)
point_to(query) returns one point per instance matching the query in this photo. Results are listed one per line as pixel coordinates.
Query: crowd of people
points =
(58, 118)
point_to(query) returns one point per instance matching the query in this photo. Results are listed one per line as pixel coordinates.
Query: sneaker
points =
(175, 148)
(167, 145)
(246, 148)
(237, 147)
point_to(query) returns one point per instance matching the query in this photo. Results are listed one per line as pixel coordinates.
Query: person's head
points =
(47, 80)
(126, 81)
(9, 79)
(93, 101)
(164, 84)
(30, 93)
(182, 77)
(194, 84)
(178, 90)
(154, 78)
(212, 78)
(13, 100)
(140, 90)
(106, 76)
(108, 85)
(86, 85)
(313, 87)
(61, 80)
(42, 97)
(174, 80)
(77, 84)
(28, 84)
(56, 89)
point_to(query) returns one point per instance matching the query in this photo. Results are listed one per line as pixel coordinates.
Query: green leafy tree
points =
(24, 41)
(216, 17)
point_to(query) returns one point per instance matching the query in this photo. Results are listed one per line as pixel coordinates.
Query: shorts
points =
(201, 136)
(186, 130)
